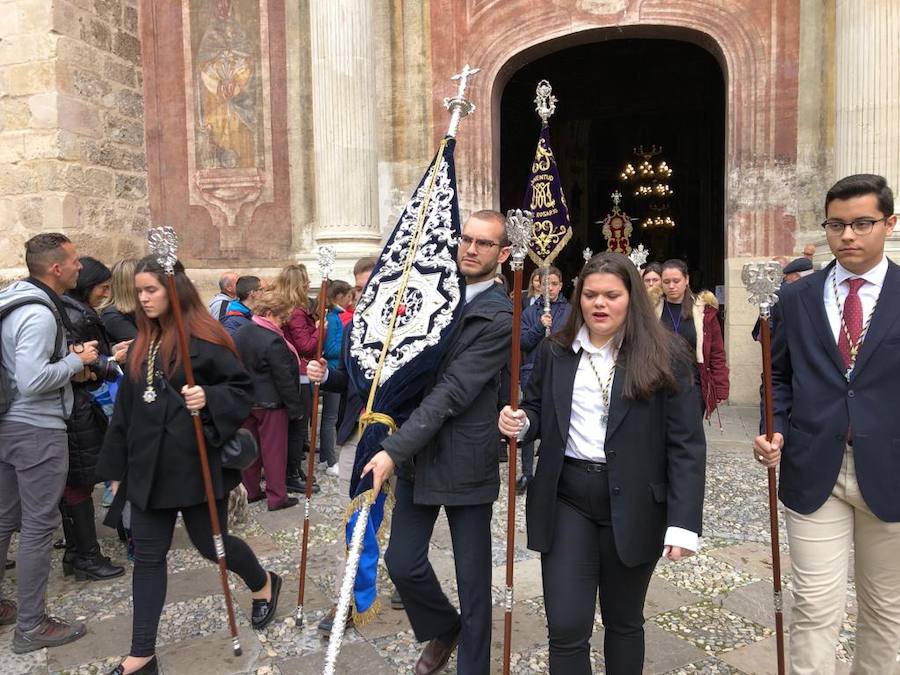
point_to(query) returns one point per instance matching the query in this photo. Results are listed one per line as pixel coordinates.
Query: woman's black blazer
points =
(655, 453)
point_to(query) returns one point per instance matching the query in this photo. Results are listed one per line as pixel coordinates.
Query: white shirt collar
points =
(475, 289)
(583, 341)
(874, 276)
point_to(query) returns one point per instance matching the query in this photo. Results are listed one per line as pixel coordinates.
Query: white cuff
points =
(524, 430)
(678, 536)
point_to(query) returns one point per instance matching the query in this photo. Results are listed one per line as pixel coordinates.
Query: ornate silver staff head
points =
(459, 106)
(761, 280)
(587, 254)
(164, 245)
(518, 229)
(544, 101)
(616, 197)
(326, 257)
(638, 256)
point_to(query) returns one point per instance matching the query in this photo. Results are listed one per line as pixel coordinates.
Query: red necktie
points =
(853, 320)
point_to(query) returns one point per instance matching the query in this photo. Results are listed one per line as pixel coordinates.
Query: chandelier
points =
(648, 178)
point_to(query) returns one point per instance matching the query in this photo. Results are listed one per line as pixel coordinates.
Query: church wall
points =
(71, 133)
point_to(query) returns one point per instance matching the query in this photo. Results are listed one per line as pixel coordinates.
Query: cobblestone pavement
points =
(709, 614)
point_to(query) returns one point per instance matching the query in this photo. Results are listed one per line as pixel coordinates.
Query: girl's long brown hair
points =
(647, 353)
(197, 322)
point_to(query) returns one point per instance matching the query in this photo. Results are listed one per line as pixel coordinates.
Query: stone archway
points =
(757, 44)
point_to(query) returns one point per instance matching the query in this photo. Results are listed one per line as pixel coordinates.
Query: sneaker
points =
(327, 622)
(7, 612)
(51, 632)
(332, 470)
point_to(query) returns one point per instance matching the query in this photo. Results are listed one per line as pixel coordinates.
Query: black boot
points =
(89, 562)
(69, 532)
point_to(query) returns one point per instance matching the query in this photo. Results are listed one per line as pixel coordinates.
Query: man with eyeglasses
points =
(449, 446)
(835, 368)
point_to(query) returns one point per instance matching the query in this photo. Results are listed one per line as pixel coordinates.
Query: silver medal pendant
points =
(149, 395)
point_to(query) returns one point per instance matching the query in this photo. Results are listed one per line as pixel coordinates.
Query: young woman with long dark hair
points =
(694, 316)
(152, 450)
(621, 473)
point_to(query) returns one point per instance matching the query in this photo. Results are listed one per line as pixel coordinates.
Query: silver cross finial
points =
(326, 257)
(616, 197)
(761, 280)
(544, 101)
(638, 256)
(518, 229)
(459, 106)
(587, 254)
(164, 245)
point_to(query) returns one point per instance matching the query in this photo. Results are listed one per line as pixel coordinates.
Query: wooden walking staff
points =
(761, 281)
(326, 257)
(518, 229)
(164, 245)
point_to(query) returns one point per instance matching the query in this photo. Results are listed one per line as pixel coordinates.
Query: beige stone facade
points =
(344, 101)
(71, 126)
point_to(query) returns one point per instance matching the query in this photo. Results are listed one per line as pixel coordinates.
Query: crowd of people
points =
(615, 385)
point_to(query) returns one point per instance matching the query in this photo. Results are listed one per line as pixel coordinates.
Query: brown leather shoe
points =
(436, 655)
(7, 612)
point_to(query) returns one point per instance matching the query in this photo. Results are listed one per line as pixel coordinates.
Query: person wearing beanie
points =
(87, 424)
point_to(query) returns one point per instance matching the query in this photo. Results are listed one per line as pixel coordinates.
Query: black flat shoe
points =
(257, 498)
(286, 504)
(149, 668)
(263, 611)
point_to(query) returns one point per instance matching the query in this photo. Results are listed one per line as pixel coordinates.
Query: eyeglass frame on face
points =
(861, 226)
(480, 244)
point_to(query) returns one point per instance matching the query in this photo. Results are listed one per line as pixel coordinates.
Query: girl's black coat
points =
(655, 456)
(87, 424)
(153, 446)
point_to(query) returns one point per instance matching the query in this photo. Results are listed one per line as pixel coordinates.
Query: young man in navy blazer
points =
(835, 368)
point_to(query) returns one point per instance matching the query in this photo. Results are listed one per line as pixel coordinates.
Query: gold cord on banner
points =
(369, 417)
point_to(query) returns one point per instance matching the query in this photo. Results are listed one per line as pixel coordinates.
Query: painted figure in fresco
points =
(227, 97)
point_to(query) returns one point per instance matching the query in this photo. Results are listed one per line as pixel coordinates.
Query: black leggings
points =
(152, 532)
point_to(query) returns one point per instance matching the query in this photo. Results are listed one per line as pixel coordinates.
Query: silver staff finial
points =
(587, 254)
(544, 101)
(326, 257)
(639, 255)
(164, 245)
(761, 280)
(518, 229)
(616, 197)
(459, 106)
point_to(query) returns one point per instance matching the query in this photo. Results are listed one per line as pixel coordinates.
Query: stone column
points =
(867, 89)
(344, 125)
(867, 96)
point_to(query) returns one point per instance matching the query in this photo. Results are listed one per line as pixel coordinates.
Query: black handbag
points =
(240, 451)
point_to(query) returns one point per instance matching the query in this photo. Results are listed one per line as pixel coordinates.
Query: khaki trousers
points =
(820, 545)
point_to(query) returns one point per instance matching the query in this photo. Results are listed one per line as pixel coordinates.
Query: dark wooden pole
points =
(311, 460)
(204, 463)
(766, 341)
(513, 456)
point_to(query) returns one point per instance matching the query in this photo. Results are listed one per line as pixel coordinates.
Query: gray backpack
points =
(5, 376)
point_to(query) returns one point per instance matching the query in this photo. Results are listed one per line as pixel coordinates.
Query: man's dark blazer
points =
(655, 456)
(452, 436)
(815, 405)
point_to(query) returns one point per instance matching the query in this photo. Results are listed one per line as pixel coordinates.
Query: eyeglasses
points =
(480, 244)
(859, 226)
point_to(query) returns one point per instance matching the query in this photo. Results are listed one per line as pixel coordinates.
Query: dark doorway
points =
(614, 96)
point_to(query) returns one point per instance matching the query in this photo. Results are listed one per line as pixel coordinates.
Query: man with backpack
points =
(36, 368)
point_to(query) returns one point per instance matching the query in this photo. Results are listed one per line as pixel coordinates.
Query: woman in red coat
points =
(300, 331)
(694, 317)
